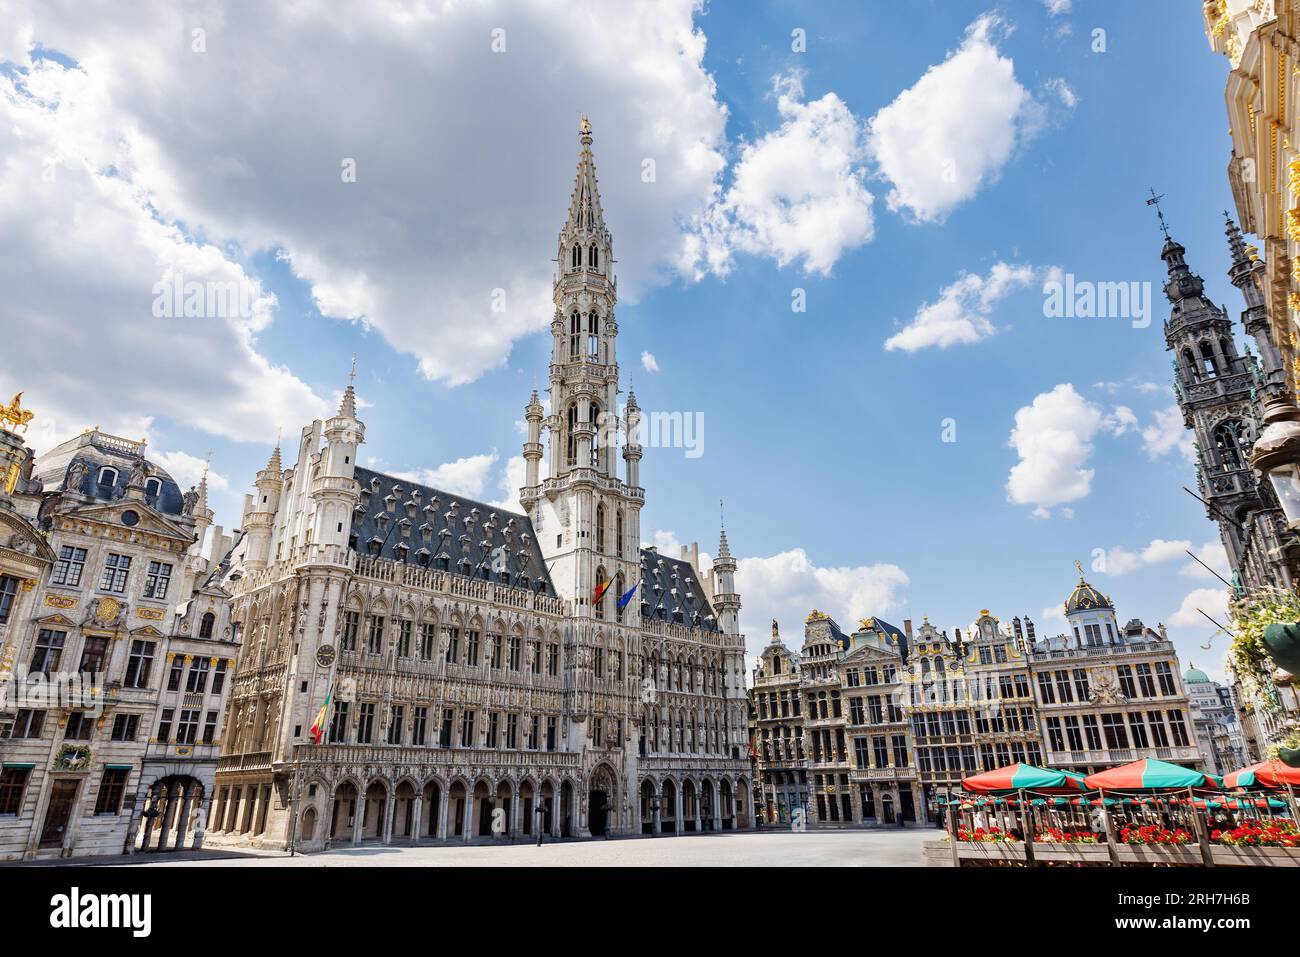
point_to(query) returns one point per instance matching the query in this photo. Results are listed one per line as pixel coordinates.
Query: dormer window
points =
(153, 488)
(107, 477)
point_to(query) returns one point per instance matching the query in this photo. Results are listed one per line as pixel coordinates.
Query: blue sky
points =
(826, 446)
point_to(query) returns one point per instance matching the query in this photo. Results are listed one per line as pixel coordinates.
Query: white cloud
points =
(187, 469)
(1053, 436)
(1212, 601)
(649, 362)
(1057, 7)
(797, 192)
(1212, 553)
(1121, 420)
(1052, 613)
(82, 246)
(465, 476)
(245, 143)
(1167, 433)
(1062, 91)
(1118, 560)
(787, 586)
(512, 480)
(952, 132)
(962, 312)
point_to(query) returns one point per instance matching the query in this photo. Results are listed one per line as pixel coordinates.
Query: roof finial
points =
(1079, 566)
(1155, 201)
(352, 376)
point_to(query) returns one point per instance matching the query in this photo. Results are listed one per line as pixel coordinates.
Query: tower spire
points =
(347, 407)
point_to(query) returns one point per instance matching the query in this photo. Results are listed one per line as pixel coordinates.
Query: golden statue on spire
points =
(584, 127)
(1079, 566)
(14, 414)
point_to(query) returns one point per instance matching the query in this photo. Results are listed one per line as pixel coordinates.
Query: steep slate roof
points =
(425, 524)
(670, 592)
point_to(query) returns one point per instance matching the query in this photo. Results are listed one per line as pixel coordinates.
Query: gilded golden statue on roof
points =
(15, 415)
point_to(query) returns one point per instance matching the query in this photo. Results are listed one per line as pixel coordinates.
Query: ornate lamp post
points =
(1276, 454)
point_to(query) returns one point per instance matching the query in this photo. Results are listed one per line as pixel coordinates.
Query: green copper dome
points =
(1195, 675)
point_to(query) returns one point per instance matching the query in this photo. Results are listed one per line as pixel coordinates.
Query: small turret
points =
(726, 601)
(333, 488)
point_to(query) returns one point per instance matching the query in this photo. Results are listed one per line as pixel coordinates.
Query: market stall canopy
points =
(1022, 777)
(1267, 774)
(1149, 773)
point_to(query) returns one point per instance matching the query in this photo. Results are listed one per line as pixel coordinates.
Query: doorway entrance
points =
(597, 811)
(62, 796)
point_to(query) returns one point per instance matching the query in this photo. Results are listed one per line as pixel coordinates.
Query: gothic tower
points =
(1216, 392)
(587, 519)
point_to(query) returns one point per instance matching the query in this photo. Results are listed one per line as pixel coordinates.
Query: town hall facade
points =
(489, 674)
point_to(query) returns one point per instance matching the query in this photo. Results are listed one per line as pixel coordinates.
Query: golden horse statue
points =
(14, 414)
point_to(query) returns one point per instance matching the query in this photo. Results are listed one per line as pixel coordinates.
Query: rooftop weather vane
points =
(1155, 201)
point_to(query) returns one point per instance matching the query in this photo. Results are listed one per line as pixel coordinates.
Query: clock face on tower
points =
(325, 655)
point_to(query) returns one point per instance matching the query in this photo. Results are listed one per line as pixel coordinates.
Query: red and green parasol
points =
(1148, 773)
(1022, 777)
(1267, 774)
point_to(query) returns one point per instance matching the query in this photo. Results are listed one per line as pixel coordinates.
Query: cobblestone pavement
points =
(865, 848)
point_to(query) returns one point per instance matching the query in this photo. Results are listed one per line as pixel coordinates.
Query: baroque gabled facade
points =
(115, 641)
(485, 673)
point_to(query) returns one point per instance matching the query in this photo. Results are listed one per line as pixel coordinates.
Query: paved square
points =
(864, 848)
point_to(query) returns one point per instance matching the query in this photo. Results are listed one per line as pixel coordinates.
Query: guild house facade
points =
(489, 674)
(115, 649)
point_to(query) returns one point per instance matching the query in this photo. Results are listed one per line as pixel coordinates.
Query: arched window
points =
(593, 413)
(577, 256)
(206, 624)
(594, 257)
(1207, 360)
(618, 533)
(1226, 448)
(571, 450)
(600, 605)
(600, 527)
(575, 335)
(593, 336)
(153, 488)
(618, 594)
(1190, 366)
(107, 476)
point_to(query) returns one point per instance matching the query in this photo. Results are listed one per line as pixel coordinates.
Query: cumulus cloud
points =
(1167, 433)
(787, 586)
(797, 193)
(950, 134)
(86, 256)
(1213, 554)
(246, 143)
(1119, 560)
(187, 469)
(961, 314)
(1053, 437)
(465, 476)
(1212, 601)
(649, 362)
(1057, 7)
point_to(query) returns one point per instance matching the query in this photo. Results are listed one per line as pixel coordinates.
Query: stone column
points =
(678, 823)
(441, 831)
(514, 815)
(390, 805)
(182, 817)
(147, 827)
(717, 807)
(417, 817)
(656, 812)
(469, 815)
(359, 819)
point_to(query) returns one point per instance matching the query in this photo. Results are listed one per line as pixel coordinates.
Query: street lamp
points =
(654, 816)
(1277, 454)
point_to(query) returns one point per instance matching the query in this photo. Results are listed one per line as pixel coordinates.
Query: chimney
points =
(1016, 629)
(907, 628)
(1029, 629)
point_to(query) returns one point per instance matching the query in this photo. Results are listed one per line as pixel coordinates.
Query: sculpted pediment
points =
(146, 518)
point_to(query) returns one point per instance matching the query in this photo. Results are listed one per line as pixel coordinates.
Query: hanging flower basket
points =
(1253, 651)
(1282, 640)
